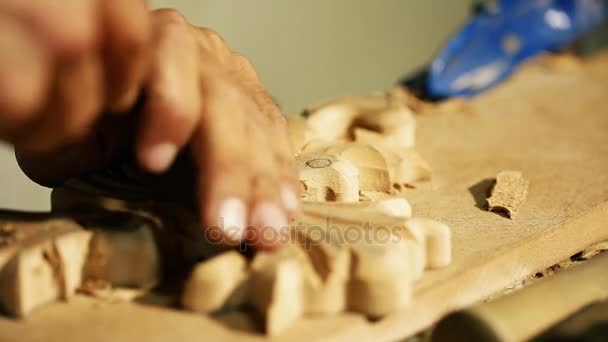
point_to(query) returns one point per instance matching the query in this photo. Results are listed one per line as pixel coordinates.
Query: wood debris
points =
(508, 193)
(216, 283)
(43, 268)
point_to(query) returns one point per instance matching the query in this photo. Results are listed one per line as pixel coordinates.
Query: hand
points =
(203, 96)
(62, 61)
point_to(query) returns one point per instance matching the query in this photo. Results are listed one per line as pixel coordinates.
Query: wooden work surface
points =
(550, 122)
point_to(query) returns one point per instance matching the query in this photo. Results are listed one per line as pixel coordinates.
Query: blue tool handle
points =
(502, 35)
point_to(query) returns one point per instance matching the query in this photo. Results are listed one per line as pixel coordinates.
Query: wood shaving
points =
(508, 194)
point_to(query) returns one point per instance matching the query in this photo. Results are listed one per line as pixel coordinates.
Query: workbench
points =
(550, 121)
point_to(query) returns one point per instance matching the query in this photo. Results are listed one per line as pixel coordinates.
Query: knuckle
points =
(279, 120)
(170, 15)
(212, 40)
(227, 89)
(244, 64)
(213, 36)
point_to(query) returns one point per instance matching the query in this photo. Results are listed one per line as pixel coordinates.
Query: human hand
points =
(62, 61)
(203, 96)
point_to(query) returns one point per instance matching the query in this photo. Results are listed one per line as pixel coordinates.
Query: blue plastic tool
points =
(503, 34)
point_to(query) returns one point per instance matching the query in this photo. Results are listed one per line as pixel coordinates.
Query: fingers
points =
(50, 68)
(74, 103)
(276, 125)
(288, 172)
(173, 93)
(222, 158)
(237, 164)
(127, 36)
(67, 27)
(268, 218)
(24, 75)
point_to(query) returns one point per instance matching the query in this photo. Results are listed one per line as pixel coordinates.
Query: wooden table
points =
(550, 121)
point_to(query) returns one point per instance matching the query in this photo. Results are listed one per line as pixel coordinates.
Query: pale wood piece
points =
(217, 283)
(405, 166)
(395, 124)
(336, 119)
(509, 193)
(276, 289)
(431, 240)
(331, 120)
(367, 196)
(437, 238)
(72, 249)
(28, 280)
(372, 168)
(524, 314)
(385, 227)
(383, 257)
(43, 268)
(300, 133)
(391, 206)
(381, 281)
(326, 268)
(325, 178)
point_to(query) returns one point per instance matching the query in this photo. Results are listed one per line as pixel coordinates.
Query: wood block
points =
(220, 282)
(381, 281)
(43, 268)
(29, 280)
(383, 257)
(373, 172)
(395, 125)
(367, 196)
(391, 206)
(276, 289)
(406, 166)
(331, 120)
(326, 268)
(300, 133)
(72, 250)
(509, 193)
(325, 178)
(437, 238)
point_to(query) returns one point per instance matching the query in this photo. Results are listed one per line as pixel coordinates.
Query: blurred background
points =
(305, 51)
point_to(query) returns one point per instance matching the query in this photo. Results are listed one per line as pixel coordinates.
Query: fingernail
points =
(267, 215)
(289, 197)
(233, 218)
(159, 157)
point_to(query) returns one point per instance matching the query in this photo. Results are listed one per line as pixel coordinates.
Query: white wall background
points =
(305, 51)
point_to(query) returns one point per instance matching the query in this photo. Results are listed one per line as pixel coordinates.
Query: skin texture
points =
(116, 80)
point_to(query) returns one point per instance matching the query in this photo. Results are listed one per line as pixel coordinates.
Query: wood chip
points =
(216, 283)
(508, 194)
